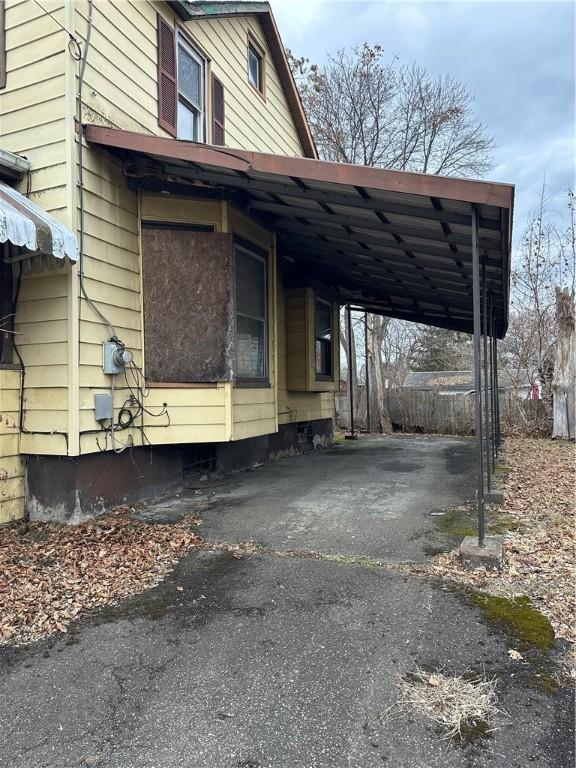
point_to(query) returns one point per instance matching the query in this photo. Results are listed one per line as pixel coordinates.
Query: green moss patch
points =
(519, 618)
(462, 522)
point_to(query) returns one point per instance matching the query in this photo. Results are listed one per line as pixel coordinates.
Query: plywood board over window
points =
(188, 305)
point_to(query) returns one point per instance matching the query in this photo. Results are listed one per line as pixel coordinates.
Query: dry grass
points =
(461, 707)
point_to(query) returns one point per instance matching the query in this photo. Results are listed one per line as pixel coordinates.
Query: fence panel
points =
(430, 412)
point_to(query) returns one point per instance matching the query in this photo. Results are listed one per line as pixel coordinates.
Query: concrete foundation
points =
(495, 497)
(70, 490)
(490, 556)
(290, 439)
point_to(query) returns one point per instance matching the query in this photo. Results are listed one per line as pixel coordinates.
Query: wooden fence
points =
(448, 414)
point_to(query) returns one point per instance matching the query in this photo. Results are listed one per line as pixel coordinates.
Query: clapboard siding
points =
(12, 466)
(296, 406)
(41, 326)
(33, 104)
(34, 122)
(121, 74)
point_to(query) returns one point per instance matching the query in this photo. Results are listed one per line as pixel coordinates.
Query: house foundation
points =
(71, 490)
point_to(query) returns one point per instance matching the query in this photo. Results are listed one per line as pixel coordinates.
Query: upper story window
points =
(191, 92)
(323, 333)
(251, 309)
(255, 66)
(181, 85)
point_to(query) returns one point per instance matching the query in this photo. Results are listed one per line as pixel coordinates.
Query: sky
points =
(516, 57)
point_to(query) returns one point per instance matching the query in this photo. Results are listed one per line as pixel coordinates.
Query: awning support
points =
(478, 378)
(367, 374)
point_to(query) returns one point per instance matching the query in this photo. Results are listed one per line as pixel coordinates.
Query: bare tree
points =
(365, 110)
(539, 345)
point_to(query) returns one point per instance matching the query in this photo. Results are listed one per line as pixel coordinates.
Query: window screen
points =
(251, 338)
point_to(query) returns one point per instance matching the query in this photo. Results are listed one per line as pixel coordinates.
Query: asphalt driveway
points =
(374, 497)
(279, 660)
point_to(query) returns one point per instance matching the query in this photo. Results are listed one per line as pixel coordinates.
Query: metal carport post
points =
(487, 374)
(367, 374)
(478, 377)
(350, 369)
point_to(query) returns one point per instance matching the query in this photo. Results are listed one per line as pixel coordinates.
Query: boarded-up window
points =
(167, 89)
(218, 134)
(188, 305)
(2, 44)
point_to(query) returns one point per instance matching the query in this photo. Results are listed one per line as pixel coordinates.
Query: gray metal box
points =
(103, 407)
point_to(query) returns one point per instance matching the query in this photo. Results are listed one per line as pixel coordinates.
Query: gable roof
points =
(196, 9)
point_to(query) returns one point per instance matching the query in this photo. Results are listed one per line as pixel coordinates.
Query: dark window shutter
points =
(167, 87)
(218, 135)
(2, 44)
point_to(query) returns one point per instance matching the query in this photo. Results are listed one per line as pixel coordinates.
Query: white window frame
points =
(247, 251)
(201, 109)
(259, 86)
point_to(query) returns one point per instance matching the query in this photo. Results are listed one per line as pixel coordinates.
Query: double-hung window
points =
(191, 81)
(323, 333)
(251, 309)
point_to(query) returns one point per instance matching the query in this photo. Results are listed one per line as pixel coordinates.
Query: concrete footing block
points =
(495, 497)
(490, 556)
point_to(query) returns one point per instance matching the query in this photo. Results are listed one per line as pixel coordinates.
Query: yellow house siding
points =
(254, 409)
(12, 466)
(42, 340)
(251, 122)
(34, 122)
(112, 281)
(294, 406)
(33, 104)
(121, 74)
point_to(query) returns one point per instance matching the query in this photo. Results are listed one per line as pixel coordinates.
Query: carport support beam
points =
(493, 390)
(497, 396)
(367, 373)
(487, 425)
(350, 368)
(478, 378)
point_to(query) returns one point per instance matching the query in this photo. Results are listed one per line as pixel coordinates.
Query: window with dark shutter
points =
(167, 88)
(2, 44)
(218, 135)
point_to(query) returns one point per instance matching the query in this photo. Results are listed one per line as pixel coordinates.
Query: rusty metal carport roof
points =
(395, 243)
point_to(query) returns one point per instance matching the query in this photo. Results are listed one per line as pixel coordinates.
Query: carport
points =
(428, 249)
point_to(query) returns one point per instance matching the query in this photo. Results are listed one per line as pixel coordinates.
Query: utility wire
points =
(73, 39)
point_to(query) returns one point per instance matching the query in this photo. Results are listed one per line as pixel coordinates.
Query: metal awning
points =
(395, 243)
(26, 225)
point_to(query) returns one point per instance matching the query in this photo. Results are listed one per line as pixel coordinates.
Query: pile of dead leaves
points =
(539, 481)
(50, 574)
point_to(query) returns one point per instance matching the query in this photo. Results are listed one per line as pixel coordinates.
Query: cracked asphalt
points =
(274, 661)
